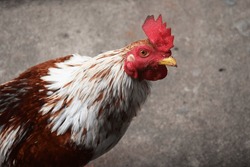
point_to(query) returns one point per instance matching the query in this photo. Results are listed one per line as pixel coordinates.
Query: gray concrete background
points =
(199, 116)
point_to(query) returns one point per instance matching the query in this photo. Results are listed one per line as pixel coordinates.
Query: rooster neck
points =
(93, 98)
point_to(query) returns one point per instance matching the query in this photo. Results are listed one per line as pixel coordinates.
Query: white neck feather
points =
(84, 92)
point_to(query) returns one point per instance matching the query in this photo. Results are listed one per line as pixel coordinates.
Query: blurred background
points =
(199, 116)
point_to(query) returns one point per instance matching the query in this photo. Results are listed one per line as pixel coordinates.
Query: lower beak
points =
(170, 61)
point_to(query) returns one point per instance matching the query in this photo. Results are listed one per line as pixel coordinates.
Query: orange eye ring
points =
(144, 53)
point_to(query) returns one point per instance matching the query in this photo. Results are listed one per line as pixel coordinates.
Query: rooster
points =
(71, 110)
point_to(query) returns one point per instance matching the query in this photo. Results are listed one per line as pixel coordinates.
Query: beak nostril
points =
(167, 54)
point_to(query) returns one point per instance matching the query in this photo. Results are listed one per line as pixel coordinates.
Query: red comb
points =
(158, 34)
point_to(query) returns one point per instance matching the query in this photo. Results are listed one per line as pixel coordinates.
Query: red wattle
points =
(157, 73)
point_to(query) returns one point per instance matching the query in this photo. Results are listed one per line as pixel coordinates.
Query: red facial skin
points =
(145, 64)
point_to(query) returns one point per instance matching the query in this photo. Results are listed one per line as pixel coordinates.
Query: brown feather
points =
(20, 101)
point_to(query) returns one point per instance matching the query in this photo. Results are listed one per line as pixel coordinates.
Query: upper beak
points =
(170, 61)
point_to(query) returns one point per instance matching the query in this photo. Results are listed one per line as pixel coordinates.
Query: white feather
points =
(82, 90)
(7, 140)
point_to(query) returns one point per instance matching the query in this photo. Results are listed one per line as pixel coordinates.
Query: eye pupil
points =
(144, 53)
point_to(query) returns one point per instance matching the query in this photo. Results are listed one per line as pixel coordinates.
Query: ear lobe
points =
(131, 58)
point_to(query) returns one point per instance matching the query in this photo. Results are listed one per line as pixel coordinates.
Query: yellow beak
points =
(170, 61)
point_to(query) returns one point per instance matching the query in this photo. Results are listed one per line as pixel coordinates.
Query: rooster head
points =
(147, 59)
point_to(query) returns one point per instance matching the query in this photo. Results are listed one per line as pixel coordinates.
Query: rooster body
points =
(70, 110)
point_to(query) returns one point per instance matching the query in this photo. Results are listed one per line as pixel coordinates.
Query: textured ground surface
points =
(199, 116)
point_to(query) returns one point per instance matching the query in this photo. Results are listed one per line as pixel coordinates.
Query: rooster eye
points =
(144, 53)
